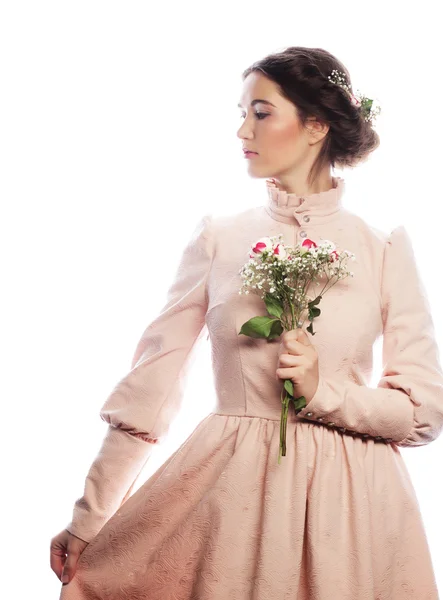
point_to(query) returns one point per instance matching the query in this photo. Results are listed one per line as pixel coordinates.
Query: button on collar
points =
(290, 208)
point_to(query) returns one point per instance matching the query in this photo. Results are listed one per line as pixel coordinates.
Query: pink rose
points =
(261, 245)
(307, 244)
(280, 251)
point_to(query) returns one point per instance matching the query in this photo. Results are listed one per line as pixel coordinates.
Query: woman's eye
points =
(259, 115)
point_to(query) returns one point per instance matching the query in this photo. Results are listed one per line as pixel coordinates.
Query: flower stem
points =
(283, 423)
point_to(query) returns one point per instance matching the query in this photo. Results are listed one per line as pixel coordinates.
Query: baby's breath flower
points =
(289, 275)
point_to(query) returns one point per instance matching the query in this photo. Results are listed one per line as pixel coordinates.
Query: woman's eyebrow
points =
(256, 101)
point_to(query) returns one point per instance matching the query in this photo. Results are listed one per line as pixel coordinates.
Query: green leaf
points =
(310, 329)
(314, 312)
(314, 302)
(273, 305)
(299, 403)
(276, 329)
(289, 386)
(258, 327)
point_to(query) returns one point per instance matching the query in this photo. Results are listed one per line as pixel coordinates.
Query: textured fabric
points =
(339, 517)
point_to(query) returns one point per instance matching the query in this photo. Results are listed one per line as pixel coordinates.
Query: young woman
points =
(338, 518)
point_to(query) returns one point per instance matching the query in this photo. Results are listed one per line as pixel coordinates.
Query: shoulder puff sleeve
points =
(142, 405)
(406, 407)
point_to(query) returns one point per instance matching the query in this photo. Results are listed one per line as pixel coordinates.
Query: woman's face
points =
(272, 129)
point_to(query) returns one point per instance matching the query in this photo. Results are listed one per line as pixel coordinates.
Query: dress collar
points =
(317, 208)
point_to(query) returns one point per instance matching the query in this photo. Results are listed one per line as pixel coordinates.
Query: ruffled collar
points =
(318, 207)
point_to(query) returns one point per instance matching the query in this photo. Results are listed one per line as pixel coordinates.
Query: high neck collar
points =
(317, 208)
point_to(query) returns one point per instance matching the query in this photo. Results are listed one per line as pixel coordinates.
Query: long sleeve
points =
(143, 404)
(406, 407)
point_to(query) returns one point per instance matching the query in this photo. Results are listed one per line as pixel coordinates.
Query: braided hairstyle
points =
(301, 74)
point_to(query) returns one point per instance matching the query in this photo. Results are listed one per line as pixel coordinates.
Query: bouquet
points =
(281, 275)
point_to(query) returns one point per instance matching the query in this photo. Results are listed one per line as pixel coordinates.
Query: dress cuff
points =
(314, 406)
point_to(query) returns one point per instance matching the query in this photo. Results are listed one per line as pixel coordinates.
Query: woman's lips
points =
(250, 154)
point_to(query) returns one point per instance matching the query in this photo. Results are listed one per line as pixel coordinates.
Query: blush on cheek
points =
(281, 139)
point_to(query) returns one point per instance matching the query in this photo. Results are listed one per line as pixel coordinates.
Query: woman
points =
(338, 518)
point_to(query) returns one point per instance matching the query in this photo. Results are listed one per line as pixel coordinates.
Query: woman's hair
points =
(302, 77)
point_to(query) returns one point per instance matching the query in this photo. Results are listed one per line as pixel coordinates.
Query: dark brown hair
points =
(302, 77)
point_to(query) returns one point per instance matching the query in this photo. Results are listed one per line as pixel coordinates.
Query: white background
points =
(119, 117)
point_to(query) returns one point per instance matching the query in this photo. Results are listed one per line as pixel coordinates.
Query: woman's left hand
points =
(298, 361)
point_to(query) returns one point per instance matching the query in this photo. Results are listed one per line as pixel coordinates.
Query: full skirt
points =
(338, 518)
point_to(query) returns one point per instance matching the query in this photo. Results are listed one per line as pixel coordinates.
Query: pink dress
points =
(221, 519)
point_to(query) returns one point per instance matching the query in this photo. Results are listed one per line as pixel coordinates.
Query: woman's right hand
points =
(65, 552)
